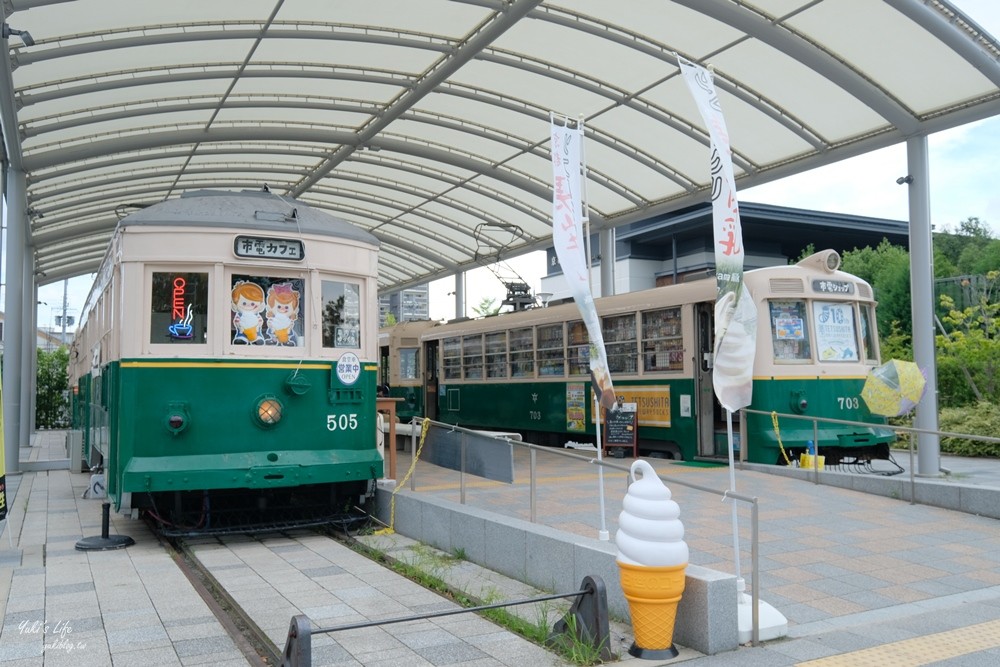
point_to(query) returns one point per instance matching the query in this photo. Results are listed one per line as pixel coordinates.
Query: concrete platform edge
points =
(551, 559)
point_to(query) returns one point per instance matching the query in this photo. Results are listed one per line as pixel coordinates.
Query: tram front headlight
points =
(799, 402)
(268, 411)
(177, 417)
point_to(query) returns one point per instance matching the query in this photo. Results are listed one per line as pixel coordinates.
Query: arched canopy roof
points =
(427, 122)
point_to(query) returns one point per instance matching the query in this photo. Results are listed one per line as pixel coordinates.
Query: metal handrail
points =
(891, 427)
(532, 448)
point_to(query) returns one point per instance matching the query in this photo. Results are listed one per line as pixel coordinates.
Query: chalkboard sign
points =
(621, 427)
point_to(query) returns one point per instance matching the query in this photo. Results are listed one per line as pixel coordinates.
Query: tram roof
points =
(265, 211)
(426, 123)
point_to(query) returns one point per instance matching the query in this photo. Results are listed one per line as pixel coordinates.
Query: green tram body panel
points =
(833, 398)
(326, 433)
(564, 407)
(543, 407)
(412, 404)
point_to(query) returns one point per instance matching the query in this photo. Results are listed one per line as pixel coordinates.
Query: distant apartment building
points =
(408, 304)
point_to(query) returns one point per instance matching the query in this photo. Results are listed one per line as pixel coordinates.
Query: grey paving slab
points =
(848, 569)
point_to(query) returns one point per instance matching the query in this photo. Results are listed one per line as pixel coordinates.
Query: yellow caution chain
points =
(413, 464)
(777, 433)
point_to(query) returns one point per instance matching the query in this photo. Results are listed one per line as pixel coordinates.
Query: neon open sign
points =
(180, 311)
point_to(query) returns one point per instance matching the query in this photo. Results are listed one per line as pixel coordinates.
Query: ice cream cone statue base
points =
(653, 594)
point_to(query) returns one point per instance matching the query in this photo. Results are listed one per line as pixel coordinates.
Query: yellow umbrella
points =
(894, 388)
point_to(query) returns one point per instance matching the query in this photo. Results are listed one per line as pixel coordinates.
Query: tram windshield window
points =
(341, 314)
(551, 350)
(868, 333)
(472, 357)
(452, 359)
(662, 344)
(789, 331)
(578, 349)
(496, 354)
(836, 337)
(620, 343)
(179, 308)
(266, 310)
(522, 353)
(409, 363)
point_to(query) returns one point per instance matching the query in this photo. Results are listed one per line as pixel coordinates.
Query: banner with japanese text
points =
(735, 313)
(570, 244)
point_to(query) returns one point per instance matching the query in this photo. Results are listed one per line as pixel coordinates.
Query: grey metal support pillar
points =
(29, 341)
(608, 262)
(922, 298)
(17, 222)
(460, 294)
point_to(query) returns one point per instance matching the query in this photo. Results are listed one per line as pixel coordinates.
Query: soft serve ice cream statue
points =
(652, 556)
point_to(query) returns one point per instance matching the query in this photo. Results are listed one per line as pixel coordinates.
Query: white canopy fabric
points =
(426, 122)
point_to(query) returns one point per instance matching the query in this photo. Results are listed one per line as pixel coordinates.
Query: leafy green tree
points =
(390, 319)
(488, 306)
(51, 399)
(887, 269)
(971, 346)
(958, 252)
(980, 258)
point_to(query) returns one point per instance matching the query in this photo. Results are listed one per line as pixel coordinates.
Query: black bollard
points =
(105, 542)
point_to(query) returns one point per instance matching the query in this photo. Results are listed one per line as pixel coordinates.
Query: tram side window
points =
(551, 350)
(578, 350)
(452, 359)
(179, 308)
(266, 310)
(836, 337)
(496, 354)
(341, 314)
(620, 343)
(868, 333)
(789, 331)
(522, 353)
(472, 357)
(662, 342)
(409, 363)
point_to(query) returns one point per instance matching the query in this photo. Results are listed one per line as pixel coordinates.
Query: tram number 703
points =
(848, 402)
(342, 422)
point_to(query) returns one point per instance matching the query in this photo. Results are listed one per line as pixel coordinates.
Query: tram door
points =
(431, 379)
(705, 335)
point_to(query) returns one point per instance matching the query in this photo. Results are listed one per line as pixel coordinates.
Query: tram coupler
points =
(587, 618)
(298, 644)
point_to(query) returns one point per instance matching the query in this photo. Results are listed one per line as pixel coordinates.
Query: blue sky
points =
(965, 182)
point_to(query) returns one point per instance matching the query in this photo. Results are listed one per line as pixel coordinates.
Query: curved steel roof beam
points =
(771, 31)
(471, 45)
(980, 50)
(79, 153)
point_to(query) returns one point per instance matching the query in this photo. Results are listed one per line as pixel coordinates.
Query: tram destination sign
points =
(257, 247)
(833, 286)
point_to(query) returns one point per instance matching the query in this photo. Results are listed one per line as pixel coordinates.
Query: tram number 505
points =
(848, 402)
(341, 422)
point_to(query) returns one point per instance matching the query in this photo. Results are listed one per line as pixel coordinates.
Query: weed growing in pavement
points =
(424, 569)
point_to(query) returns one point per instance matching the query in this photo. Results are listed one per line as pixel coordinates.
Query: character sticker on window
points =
(282, 311)
(248, 302)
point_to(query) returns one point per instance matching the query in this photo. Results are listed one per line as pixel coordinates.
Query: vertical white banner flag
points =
(735, 314)
(570, 245)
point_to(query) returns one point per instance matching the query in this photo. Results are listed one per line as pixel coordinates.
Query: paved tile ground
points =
(862, 579)
(848, 570)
